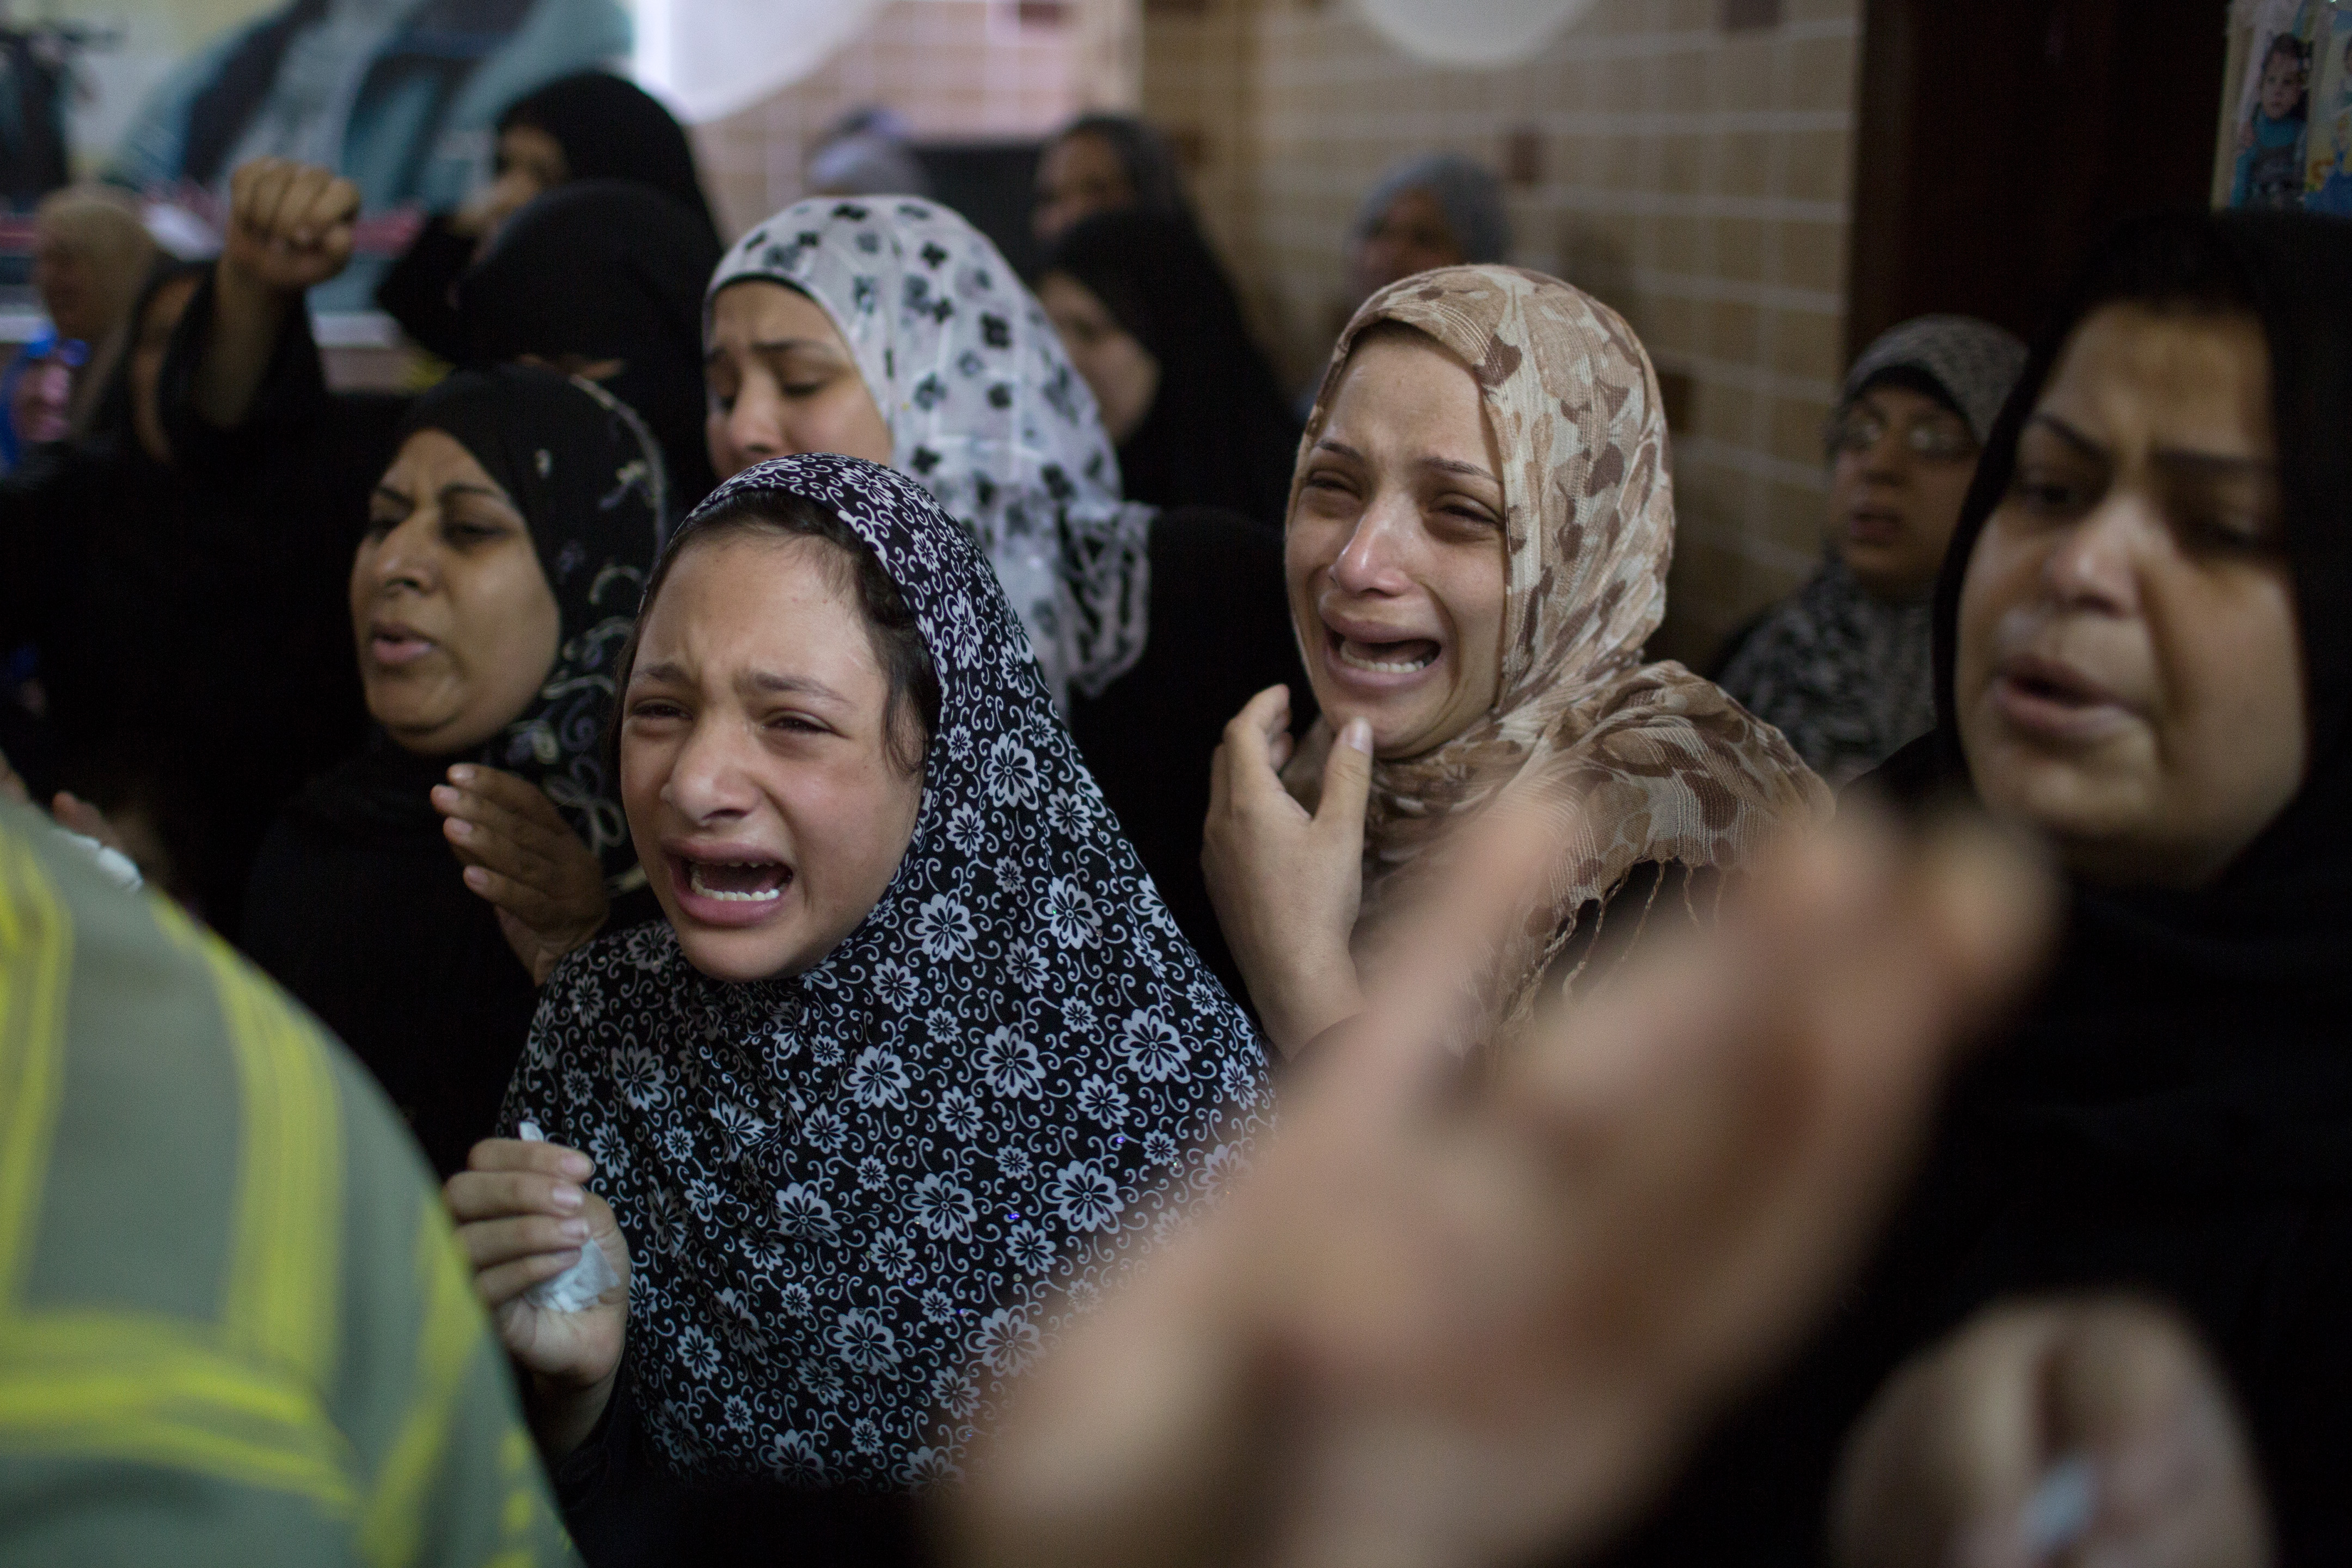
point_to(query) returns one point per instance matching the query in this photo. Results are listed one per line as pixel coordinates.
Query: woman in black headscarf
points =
(589, 126)
(402, 895)
(1105, 162)
(1152, 324)
(2143, 654)
(605, 279)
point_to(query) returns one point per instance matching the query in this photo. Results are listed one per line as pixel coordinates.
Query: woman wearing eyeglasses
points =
(1843, 666)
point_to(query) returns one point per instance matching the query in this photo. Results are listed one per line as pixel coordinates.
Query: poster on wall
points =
(2273, 99)
(167, 97)
(2286, 121)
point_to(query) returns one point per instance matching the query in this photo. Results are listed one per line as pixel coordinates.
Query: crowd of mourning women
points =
(1012, 943)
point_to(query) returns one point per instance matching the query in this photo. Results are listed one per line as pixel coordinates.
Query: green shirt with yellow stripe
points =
(234, 1325)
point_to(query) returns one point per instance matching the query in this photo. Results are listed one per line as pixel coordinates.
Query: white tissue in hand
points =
(577, 1287)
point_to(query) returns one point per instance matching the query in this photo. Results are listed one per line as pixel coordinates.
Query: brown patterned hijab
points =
(1665, 766)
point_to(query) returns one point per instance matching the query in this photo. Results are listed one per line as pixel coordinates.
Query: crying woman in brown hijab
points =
(1476, 548)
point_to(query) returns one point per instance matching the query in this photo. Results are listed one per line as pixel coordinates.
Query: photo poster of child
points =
(2327, 142)
(2274, 103)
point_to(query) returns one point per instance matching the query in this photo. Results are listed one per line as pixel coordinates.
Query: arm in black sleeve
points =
(293, 394)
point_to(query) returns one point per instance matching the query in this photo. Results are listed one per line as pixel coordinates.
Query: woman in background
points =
(1430, 210)
(193, 668)
(603, 279)
(589, 126)
(1841, 666)
(91, 258)
(1149, 320)
(1105, 162)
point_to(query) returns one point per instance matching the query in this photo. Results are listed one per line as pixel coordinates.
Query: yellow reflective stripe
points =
(392, 1524)
(285, 1261)
(122, 1385)
(35, 956)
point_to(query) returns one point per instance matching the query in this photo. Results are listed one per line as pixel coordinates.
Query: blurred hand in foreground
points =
(1453, 1316)
(2068, 1431)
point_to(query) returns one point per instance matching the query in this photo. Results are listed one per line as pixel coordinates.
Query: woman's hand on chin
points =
(522, 857)
(522, 1217)
(1288, 882)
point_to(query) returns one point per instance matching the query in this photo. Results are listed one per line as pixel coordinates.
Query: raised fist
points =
(290, 227)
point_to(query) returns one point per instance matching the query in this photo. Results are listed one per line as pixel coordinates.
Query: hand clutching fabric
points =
(521, 855)
(2086, 1430)
(523, 1213)
(1450, 1316)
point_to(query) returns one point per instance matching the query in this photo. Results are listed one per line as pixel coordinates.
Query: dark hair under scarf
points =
(601, 269)
(589, 482)
(1220, 431)
(612, 129)
(2172, 1114)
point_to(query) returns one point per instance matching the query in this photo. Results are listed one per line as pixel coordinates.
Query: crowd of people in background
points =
(1011, 941)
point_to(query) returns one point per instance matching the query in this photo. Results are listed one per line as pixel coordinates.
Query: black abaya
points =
(1219, 432)
(357, 907)
(1221, 634)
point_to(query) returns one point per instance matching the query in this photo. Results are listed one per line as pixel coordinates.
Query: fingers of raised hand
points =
(509, 825)
(310, 204)
(1347, 780)
(510, 792)
(497, 836)
(500, 1283)
(255, 189)
(503, 1195)
(11, 786)
(524, 1154)
(490, 1242)
(334, 205)
(1249, 733)
(529, 903)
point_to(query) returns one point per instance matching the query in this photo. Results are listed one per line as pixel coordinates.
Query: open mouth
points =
(1399, 657)
(395, 645)
(738, 881)
(2043, 697)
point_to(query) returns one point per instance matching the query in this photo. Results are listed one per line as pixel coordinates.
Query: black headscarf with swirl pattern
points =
(845, 1193)
(588, 480)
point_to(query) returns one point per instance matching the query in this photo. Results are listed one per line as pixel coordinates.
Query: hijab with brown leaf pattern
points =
(1661, 765)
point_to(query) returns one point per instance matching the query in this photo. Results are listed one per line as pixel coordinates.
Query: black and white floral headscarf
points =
(588, 478)
(984, 409)
(846, 1193)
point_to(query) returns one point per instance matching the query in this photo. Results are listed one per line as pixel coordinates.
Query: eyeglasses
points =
(1939, 438)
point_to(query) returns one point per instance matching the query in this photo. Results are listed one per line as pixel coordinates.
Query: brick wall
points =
(1687, 161)
(957, 69)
